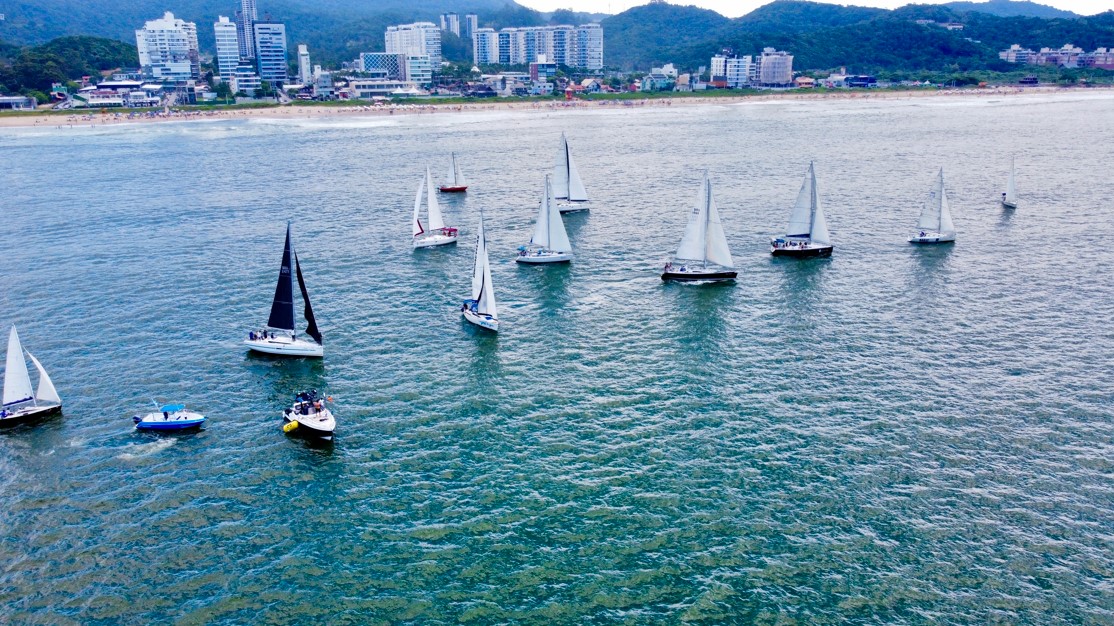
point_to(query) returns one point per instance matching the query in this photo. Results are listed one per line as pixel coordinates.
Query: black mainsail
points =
(282, 309)
(311, 329)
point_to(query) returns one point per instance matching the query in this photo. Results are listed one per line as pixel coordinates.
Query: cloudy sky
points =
(735, 8)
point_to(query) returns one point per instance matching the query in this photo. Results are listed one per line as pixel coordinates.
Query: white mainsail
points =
(436, 222)
(17, 381)
(704, 239)
(455, 177)
(482, 291)
(818, 232)
(1011, 187)
(800, 219)
(46, 391)
(549, 231)
(936, 216)
(566, 178)
(946, 225)
(417, 210)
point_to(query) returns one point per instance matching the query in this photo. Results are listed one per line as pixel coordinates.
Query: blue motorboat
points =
(169, 418)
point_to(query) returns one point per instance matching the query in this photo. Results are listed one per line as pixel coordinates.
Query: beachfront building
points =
(1068, 56)
(168, 49)
(571, 46)
(734, 72)
(245, 79)
(451, 23)
(245, 28)
(775, 68)
(228, 47)
(543, 69)
(305, 70)
(368, 88)
(417, 38)
(414, 68)
(270, 52)
(1015, 54)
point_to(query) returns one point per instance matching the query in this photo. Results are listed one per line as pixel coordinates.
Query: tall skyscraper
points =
(168, 49)
(417, 38)
(245, 28)
(471, 24)
(228, 47)
(451, 23)
(270, 51)
(305, 70)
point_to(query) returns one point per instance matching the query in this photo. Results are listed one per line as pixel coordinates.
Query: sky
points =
(735, 8)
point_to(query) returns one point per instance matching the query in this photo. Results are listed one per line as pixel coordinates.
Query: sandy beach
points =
(295, 111)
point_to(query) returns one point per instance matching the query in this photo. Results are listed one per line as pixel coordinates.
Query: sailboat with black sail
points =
(703, 254)
(808, 229)
(935, 224)
(21, 404)
(280, 335)
(568, 189)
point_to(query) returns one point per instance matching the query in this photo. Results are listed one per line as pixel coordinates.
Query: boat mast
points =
(812, 199)
(707, 214)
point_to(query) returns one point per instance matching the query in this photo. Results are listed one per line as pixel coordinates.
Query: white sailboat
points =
(21, 404)
(1009, 197)
(481, 309)
(437, 234)
(703, 254)
(454, 182)
(280, 335)
(935, 224)
(808, 229)
(568, 189)
(550, 243)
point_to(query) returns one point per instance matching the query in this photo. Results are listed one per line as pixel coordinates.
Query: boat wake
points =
(140, 450)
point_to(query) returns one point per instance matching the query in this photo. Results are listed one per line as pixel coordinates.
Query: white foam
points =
(140, 450)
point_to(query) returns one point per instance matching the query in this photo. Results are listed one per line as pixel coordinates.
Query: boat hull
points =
(573, 206)
(311, 425)
(483, 321)
(712, 276)
(1009, 205)
(176, 422)
(286, 347)
(802, 251)
(448, 189)
(932, 238)
(430, 241)
(549, 257)
(29, 414)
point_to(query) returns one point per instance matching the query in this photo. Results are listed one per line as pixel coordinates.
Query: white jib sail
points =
(946, 225)
(818, 233)
(549, 232)
(715, 240)
(46, 391)
(1011, 186)
(800, 219)
(457, 174)
(17, 382)
(561, 171)
(436, 222)
(577, 193)
(482, 291)
(930, 212)
(417, 210)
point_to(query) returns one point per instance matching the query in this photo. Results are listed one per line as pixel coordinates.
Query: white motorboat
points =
(1009, 196)
(703, 254)
(481, 309)
(437, 234)
(935, 224)
(21, 404)
(280, 335)
(169, 417)
(568, 189)
(808, 229)
(309, 416)
(454, 182)
(550, 243)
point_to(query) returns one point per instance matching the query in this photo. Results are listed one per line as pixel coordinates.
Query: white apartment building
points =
(416, 38)
(451, 23)
(168, 49)
(775, 67)
(245, 28)
(305, 70)
(414, 68)
(270, 51)
(471, 24)
(228, 47)
(573, 46)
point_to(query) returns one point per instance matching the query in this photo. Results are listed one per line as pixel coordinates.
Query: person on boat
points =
(669, 266)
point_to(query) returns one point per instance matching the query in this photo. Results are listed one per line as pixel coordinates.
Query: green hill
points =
(1012, 8)
(24, 70)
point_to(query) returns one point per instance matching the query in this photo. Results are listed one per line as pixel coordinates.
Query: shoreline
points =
(278, 112)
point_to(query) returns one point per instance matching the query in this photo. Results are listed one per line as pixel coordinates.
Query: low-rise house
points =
(657, 82)
(804, 82)
(591, 85)
(18, 103)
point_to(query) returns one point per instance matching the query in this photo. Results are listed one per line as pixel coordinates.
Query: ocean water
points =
(895, 435)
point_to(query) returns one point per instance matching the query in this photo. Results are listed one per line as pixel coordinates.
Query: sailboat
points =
(20, 403)
(481, 310)
(550, 243)
(454, 182)
(437, 234)
(935, 225)
(280, 336)
(703, 253)
(568, 189)
(808, 230)
(1009, 197)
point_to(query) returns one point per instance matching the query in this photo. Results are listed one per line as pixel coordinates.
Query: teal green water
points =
(896, 435)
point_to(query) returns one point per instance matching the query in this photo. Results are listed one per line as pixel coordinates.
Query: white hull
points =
(285, 346)
(572, 206)
(428, 241)
(932, 238)
(535, 258)
(1009, 205)
(483, 321)
(317, 423)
